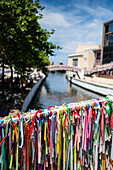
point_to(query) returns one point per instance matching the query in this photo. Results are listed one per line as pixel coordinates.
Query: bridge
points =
(63, 68)
(99, 69)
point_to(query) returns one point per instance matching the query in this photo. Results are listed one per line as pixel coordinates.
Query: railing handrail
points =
(71, 135)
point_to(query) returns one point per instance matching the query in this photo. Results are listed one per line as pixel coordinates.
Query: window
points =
(85, 61)
(109, 28)
(98, 57)
(107, 54)
(110, 39)
(75, 62)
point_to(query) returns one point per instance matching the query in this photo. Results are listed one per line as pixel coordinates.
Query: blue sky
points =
(75, 22)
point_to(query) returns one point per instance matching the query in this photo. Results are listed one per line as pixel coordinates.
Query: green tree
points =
(24, 41)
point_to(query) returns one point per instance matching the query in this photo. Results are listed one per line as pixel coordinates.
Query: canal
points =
(57, 90)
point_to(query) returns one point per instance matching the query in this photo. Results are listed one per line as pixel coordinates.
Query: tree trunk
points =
(11, 72)
(22, 81)
(3, 76)
(11, 76)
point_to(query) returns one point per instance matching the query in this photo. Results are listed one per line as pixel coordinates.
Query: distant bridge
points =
(100, 69)
(97, 69)
(63, 68)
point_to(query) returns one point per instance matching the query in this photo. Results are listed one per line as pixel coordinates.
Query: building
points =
(107, 43)
(86, 56)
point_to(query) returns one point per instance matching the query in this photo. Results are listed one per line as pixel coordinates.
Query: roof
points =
(76, 55)
(99, 49)
(108, 22)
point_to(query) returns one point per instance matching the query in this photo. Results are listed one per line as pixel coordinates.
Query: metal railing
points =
(72, 136)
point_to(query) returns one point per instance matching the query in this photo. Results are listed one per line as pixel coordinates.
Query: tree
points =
(24, 41)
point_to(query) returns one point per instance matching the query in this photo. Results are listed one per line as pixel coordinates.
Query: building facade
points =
(107, 43)
(86, 56)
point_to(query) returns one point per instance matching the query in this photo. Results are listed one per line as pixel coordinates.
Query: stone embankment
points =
(31, 94)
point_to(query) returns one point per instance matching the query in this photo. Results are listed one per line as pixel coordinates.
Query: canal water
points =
(57, 90)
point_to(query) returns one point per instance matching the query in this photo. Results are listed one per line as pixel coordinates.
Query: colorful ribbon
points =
(73, 136)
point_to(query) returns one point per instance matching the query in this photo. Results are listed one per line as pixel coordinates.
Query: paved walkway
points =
(99, 88)
(99, 84)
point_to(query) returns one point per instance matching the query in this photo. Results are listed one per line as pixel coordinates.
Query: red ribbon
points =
(39, 111)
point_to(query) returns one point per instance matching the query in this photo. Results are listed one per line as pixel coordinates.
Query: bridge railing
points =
(73, 136)
(100, 68)
(62, 67)
(97, 69)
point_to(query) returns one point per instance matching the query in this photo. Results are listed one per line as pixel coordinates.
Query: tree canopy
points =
(23, 42)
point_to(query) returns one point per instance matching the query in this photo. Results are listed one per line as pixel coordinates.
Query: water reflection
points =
(57, 91)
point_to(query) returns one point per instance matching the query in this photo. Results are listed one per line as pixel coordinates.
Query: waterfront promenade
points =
(89, 84)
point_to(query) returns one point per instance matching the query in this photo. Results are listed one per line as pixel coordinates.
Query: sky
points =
(75, 22)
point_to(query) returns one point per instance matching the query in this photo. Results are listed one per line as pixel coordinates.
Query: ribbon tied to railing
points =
(73, 136)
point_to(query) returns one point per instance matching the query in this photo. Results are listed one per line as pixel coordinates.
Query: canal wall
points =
(98, 88)
(32, 93)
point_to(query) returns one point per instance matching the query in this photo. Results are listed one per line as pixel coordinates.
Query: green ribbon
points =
(108, 106)
(3, 152)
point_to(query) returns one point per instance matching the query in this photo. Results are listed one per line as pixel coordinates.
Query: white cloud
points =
(98, 12)
(54, 20)
(81, 25)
